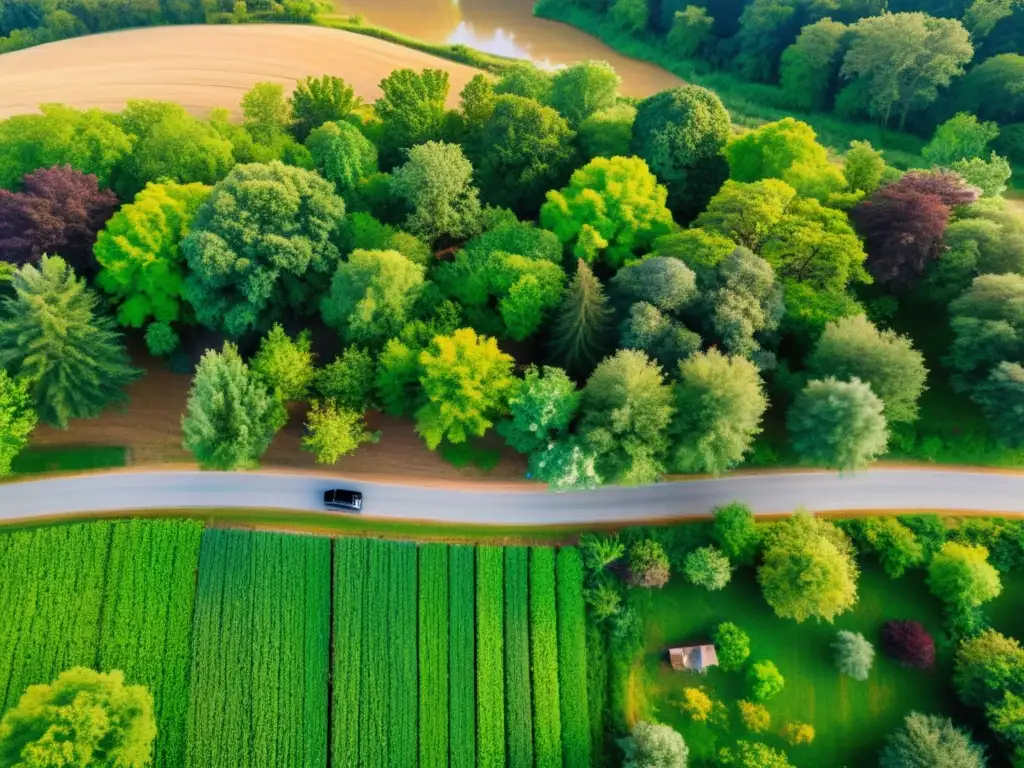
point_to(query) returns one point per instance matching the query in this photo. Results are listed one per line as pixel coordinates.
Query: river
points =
(507, 28)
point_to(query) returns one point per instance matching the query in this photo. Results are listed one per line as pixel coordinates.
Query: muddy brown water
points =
(506, 28)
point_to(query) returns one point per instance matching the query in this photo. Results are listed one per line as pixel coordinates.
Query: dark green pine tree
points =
(51, 335)
(582, 323)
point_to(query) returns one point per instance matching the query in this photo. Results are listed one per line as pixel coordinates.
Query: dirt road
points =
(200, 67)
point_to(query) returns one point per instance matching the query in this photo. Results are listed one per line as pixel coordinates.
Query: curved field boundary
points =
(201, 67)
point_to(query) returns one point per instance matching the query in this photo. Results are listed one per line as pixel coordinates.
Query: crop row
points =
(51, 590)
(490, 667)
(572, 660)
(260, 648)
(462, 657)
(547, 728)
(402, 635)
(519, 710)
(351, 557)
(147, 619)
(433, 656)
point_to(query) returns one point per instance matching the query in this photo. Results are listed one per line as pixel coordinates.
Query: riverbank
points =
(749, 104)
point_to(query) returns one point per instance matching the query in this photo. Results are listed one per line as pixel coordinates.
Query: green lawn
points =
(851, 718)
(33, 461)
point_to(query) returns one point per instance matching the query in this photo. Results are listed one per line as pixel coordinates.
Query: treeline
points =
(24, 23)
(900, 64)
(539, 261)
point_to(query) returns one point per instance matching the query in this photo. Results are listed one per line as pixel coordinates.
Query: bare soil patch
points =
(201, 67)
(149, 426)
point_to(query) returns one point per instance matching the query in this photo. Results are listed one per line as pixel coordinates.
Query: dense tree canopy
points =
(988, 327)
(653, 746)
(607, 133)
(581, 322)
(141, 265)
(52, 337)
(854, 348)
(333, 432)
(59, 212)
(541, 409)
(284, 364)
(613, 209)
(83, 718)
(736, 533)
(89, 141)
(1001, 397)
(809, 68)
(583, 88)
(261, 247)
(170, 145)
(961, 575)
(372, 295)
(523, 150)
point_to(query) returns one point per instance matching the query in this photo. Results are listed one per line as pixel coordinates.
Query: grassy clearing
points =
(851, 718)
(34, 461)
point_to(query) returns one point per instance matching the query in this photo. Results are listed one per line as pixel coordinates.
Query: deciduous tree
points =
(523, 150)
(764, 681)
(266, 114)
(719, 404)
(747, 303)
(648, 564)
(653, 746)
(541, 409)
(909, 643)
(707, 567)
(261, 247)
(690, 31)
(752, 754)
(59, 212)
(864, 167)
(52, 337)
(626, 409)
(319, 100)
(436, 183)
(89, 141)
(612, 209)
(607, 133)
(665, 340)
(372, 295)
(342, 155)
(284, 364)
(959, 138)
(854, 348)
(808, 570)
(466, 383)
(141, 264)
(83, 718)
(230, 417)
(930, 740)
(735, 531)
(348, 380)
(17, 419)
(809, 68)
(566, 463)
(904, 58)
(854, 655)
(988, 327)
(838, 424)
(411, 110)
(961, 575)
(680, 133)
(1001, 397)
(333, 432)
(733, 646)
(580, 90)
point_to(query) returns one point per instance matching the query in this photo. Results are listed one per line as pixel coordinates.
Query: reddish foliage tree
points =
(59, 212)
(902, 224)
(909, 643)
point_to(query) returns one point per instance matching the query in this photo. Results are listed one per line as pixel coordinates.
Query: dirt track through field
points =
(200, 67)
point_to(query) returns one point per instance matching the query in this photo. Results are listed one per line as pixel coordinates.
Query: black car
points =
(338, 498)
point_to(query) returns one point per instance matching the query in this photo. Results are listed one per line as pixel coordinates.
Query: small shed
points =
(696, 658)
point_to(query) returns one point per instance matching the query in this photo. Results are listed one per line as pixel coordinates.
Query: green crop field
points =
(265, 650)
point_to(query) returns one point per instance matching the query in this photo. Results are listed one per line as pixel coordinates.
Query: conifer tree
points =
(582, 322)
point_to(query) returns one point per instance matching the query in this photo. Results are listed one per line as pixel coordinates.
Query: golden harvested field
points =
(200, 67)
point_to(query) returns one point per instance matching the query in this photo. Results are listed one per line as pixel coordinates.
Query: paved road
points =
(767, 494)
